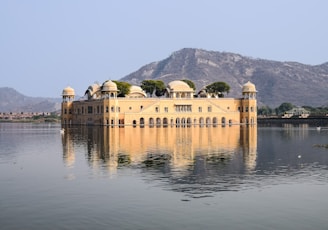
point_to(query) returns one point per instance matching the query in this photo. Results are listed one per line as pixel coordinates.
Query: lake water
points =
(232, 177)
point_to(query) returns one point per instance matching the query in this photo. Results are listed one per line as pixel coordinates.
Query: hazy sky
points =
(47, 45)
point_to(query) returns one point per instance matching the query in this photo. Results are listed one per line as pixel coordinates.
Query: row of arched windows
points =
(182, 121)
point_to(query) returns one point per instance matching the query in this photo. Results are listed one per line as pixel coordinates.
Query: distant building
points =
(297, 111)
(101, 106)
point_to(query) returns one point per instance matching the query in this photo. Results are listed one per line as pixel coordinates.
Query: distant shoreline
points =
(316, 121)
(29, 121)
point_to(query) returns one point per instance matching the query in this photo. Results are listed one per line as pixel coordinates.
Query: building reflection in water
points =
(177, 149)
(68, 150)
(296, 130)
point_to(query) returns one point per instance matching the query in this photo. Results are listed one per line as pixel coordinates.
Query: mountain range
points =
(276, 82)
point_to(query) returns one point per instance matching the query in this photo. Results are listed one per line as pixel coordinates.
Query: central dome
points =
(179, 86)
(136, 92)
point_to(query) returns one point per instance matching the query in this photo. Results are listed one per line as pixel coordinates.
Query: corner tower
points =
(248, 113)
(109, 89)
(67, 105)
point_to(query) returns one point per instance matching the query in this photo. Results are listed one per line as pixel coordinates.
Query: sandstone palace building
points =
(179, 106)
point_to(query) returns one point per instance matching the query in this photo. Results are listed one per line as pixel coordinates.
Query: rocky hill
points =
(13, 101)
(276, 82)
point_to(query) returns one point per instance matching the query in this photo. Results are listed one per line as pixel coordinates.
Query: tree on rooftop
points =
(151, 86)
(123, 88)
(190, 83)
(218, 88)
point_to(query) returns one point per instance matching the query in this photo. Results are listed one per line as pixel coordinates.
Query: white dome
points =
(136, 91)
(249, 88)
(109, 86)
(68, 91)
(179, 86)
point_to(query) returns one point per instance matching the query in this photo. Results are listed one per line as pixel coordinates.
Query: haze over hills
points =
(276, 82)
(13, 101)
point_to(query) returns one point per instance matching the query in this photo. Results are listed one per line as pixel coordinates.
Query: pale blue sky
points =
(47, 45)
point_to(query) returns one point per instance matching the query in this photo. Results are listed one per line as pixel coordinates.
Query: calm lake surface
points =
(234, 177)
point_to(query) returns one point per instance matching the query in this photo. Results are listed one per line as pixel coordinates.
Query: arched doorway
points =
(223, 121)
(214, 121)
(165, 121)
(158, 122)
(151, 122)
(208, 121)
(183, 121)
(177, 122)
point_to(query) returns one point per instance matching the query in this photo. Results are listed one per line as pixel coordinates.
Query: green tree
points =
(151, 86)
(148, 86)
(160, 88)
(317, 111)
(264, 110)
(190, 83)
(218, 88)
(284, 107)
(123, 88)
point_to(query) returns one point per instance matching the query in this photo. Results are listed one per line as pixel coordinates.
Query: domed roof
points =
(136, 90)
(68, 91)
(179, 86)
(93, 88)
(109, 86)
(249, 87)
